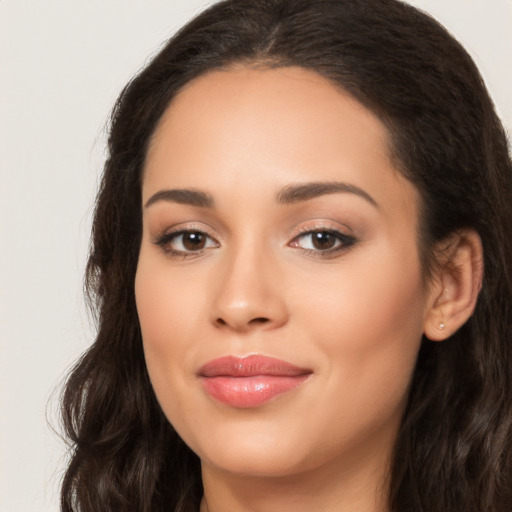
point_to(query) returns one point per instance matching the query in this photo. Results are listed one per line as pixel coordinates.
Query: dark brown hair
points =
(454, 449)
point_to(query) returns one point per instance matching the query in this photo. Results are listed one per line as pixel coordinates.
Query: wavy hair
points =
(454, 448)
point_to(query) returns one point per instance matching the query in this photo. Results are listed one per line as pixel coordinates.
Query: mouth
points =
(250, 381)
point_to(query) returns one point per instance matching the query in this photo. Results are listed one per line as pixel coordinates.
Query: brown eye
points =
(186, 242)
(323, 240)
(193, 240)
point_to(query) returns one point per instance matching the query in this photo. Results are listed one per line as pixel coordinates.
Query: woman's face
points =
(275, 226)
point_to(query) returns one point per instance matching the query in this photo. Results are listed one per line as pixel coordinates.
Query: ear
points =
(456, 284)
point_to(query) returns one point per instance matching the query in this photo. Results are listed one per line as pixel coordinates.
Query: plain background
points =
(62, 64)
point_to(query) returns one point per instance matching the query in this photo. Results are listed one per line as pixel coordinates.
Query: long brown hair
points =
(454, 449)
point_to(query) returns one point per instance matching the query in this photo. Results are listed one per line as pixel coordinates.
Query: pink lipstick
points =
(250, 381)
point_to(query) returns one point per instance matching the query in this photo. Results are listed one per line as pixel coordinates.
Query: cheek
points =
(368, 327)
(167, 305)
(169, 317)
(365, 302)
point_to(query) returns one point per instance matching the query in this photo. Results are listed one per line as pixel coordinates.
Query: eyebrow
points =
(182, 196)
(288, 195)
(305, 191)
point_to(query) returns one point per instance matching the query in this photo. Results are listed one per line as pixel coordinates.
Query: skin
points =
(354, 316)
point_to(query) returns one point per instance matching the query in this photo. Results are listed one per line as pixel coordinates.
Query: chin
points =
(254, 462)
(250, 450)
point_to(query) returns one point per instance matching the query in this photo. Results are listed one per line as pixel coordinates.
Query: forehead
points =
(256, 127)
(279, 104)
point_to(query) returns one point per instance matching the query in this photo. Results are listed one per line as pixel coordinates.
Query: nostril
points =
(255, 321)
(259, 320)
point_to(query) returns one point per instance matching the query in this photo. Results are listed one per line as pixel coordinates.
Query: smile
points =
(250, 381)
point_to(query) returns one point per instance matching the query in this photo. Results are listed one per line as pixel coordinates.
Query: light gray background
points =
(62, 64)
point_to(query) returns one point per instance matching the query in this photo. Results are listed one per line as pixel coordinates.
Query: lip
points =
(250, 381)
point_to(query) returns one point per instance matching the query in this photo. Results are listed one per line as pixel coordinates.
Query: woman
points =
(301, 267)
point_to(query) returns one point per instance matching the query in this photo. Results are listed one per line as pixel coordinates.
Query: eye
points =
(323, 241)
(186, 241)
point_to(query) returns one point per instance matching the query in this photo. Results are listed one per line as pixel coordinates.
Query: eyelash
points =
(343, 242)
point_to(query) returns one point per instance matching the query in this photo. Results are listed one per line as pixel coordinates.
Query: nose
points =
(249, 294)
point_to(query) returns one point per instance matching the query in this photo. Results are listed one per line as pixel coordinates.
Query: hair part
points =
(454, 449)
